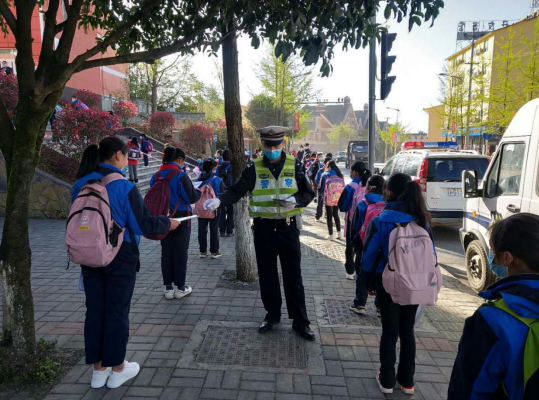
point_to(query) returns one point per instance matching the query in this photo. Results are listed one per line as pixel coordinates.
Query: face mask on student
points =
(272, 154)
(199, 161)
(501, 271)
(125, 170)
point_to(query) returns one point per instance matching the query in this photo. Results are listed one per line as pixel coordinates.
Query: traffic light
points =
(387, 63)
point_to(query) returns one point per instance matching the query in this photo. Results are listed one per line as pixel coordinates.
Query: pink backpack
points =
(207, 193)
(334, 186)
(359, 194)
(93, 238)
(412, 275)
(373, 210)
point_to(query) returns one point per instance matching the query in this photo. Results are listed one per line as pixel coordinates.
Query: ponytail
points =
(89, 161)
(104, 151)
(363, 172)
(365, 177)
(334, 167)
(401, 188)
(415, 204)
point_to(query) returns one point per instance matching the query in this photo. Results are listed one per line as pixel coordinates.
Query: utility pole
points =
(372, 96)
(465, 138)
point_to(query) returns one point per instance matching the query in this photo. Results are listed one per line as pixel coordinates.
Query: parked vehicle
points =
(357, 151)
(437, 167)
(510, 185)
(341, 156)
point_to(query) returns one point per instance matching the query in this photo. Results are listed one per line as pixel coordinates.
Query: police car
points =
(510, 185)
(437, 167)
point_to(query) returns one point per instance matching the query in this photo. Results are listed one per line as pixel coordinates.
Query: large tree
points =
(164, 84)
(141, 31)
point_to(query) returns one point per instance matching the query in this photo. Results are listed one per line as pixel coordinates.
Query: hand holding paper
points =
(212, 204)
(289, 202)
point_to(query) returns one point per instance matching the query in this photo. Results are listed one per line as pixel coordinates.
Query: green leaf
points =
(428, 14)
(279, 49)
(387, 12)
(255, 42)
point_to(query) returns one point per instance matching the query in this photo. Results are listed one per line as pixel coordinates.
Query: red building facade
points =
(107, 81)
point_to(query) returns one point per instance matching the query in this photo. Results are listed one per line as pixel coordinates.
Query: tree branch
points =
(66, 40)
(5, 11)
(7, 134)
(47, 47)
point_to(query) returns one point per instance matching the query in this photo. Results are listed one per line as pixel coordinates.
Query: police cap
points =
(272, 135)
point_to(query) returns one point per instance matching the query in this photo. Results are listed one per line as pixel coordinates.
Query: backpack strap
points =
(115, 176)
(531, 348)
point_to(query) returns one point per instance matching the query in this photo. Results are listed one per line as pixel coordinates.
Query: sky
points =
(420, 58)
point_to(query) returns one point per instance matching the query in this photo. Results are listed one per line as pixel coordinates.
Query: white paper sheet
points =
(185, 218)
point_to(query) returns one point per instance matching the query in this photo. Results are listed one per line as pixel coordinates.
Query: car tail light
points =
(422, 179)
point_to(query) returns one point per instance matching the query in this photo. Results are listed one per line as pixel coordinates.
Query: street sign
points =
(214, 137)
(394, 137)
(296, 122)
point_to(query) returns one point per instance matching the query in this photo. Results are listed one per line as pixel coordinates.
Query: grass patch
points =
(36, 373)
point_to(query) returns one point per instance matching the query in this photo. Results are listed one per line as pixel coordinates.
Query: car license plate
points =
(454, 192)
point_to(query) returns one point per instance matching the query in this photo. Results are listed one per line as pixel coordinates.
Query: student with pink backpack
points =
(400, 267)
(332, 184)
(353, 193)
(102, 234)
(366, 210)
(210, 188)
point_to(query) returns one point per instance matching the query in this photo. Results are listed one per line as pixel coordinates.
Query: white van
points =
(510, 185)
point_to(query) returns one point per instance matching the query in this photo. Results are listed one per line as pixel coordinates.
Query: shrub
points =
(161, 123)
(91, 99)
(58, 165)
(194, 139)
(9, 91)
(125, 110)
(74, 129)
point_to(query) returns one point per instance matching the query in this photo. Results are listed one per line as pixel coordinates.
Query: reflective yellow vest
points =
(267, 188)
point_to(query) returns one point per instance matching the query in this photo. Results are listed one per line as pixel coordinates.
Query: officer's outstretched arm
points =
(246, 183)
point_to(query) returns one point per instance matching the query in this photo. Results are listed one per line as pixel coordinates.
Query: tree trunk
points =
(154, 94)
(18, 326)
(245, 254)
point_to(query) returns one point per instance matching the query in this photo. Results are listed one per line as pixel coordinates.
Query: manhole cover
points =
(245, 346)
(333, 311)
(317, 251)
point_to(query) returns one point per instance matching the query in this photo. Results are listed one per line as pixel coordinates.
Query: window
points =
(445, 169)
(412, 164)
(505, 176)
(387, 168)
(399, 164)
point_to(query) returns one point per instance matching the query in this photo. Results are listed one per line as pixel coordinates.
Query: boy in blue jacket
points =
(498, 356)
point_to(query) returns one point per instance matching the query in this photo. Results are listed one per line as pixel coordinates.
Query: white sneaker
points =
(350, 277)
(99, 378)
(117, 379)
(179, 293)
(169, 294)
(329, 237)
(382, 389)
(407, 390)
(339, 235)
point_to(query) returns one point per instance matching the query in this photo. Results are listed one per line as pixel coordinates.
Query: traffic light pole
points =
(372, 97)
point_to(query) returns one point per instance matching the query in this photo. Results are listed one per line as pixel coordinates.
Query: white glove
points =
(212, 204)
(289, 202)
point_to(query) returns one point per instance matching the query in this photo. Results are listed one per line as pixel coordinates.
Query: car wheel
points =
(480, 276)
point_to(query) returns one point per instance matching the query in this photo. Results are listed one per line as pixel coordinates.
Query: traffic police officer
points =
(279, 189)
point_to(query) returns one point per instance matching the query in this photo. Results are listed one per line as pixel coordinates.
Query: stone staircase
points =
(145, 173)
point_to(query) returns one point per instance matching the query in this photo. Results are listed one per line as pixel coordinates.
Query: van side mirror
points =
(470, 184)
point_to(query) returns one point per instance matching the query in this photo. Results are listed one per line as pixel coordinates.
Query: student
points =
(109, 290)
(175, 246)
(332, 210)
(319, 169)
(134, 155)
(405, 203)
(495, 353)
(347, 204)
(218, 156)
(77, 104)
(146, 148)
(207, 177)
(226, 213)
(373, 195)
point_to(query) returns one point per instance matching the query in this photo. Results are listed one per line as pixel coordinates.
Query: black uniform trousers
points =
(174, 253)
(319, 204)
(397, 323)
(349, 251)
(226, 216)
(278, 238)
(203, 224)
(108, 301)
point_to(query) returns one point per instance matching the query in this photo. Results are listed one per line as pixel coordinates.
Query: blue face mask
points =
(273, 154)
(125, 170)
(501, 271)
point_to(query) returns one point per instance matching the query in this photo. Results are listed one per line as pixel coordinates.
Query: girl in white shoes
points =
(114, 377)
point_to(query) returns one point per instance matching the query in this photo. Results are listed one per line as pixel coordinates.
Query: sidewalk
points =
(207, 346)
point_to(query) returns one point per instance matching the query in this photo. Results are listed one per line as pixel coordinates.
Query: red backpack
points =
(373, 210)
(207, 193)
(157, 200)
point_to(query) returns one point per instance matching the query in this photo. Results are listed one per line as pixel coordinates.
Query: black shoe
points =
(136, 180)
(304, 331)
(266, 326)
(230, 234)
(222, 234)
